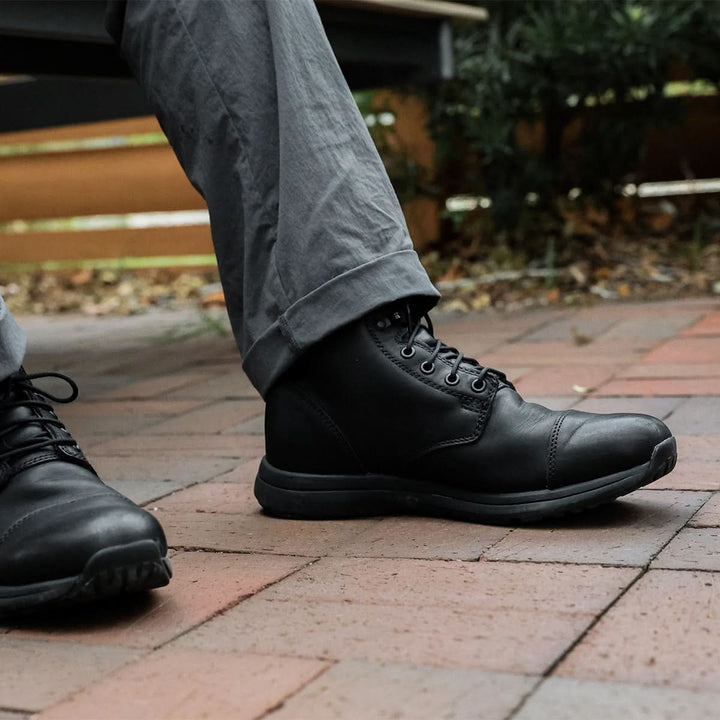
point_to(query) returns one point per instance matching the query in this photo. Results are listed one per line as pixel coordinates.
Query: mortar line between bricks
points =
(706, 571)
(523, 700)
(200, 548)
(682, 489)
(143, 653)
(232, 605)
(675, 534)
(316, 558)
(643, 572)
(482, 556)
(278, 706)
(565, 563)
(653, 347)
(169, 493)
(146, 652)
(201, 404)
(553, 666)
(19, 713)
(685, 400)
(530, 331)
(143, 429)
(508, 341)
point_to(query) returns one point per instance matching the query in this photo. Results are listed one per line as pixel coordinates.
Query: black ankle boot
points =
(64, 535)
(382, 418)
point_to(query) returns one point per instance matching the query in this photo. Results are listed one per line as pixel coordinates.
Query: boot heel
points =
(302, 496)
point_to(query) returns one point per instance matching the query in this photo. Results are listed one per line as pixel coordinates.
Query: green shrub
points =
(598, 67)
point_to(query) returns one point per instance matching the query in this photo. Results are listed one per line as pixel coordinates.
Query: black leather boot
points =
(383, 418)
(64, 535)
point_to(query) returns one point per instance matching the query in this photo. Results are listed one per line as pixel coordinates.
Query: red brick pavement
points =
(612, 614)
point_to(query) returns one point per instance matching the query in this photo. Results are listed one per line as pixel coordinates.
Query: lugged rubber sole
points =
(129, 568)
(319, 497)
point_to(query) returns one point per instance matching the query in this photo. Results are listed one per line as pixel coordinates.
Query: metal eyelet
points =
(452, 379)
(427, 368)
(407, 352)
(478, 388)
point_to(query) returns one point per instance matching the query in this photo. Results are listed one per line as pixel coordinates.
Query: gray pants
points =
(307, 230)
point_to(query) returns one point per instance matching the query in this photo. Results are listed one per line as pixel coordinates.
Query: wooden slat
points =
(431, 8)
(94, 182)
(109, 128)
(39, 247)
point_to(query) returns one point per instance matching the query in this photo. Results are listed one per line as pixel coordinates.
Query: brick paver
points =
(510, 617)
(424, 538)
(683, 350)
(203, 585)
(662, 632)
(568, 699)
(36, 673)
(671, 371)
(122, 417)
(709, 515)
(697, 416)
(211, 419)
(629, 532)
(678, 387)
(611, 614)
(146, 476)
(182, 445)
(389, 691)
(564, 379)
(692, 549)
(709, 325)
(700, 466)
(186, 684)
(660, 407)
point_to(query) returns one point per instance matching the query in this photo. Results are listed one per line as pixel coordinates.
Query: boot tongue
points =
(402, 313)
(399, 315)
(403, 316)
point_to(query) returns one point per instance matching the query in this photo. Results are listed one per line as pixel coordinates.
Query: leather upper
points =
(355, 404)
(55, 512)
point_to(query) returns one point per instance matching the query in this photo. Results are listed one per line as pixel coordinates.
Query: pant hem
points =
(337, 302)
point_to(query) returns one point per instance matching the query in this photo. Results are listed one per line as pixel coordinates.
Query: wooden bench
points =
(73, 86)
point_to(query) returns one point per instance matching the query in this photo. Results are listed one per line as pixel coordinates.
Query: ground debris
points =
(606, 268)
(102, 292)
(609, 269)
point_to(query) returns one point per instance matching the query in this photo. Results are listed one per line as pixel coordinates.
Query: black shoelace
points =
(18, 391)
(449, 353)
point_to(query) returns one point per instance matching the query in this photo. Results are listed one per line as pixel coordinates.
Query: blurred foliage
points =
(586, 80)
(409, 177)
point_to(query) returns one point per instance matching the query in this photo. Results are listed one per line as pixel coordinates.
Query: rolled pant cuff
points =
(337, 302)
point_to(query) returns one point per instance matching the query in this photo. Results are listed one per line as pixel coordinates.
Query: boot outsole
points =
(318, 497)
(130, 568)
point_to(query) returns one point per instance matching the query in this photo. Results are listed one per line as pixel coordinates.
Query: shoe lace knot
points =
(38, 428)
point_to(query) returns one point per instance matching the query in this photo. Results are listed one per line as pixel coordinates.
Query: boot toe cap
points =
(58, 540)
(589, 446)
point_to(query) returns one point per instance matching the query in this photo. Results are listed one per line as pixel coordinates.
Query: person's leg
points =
(308, 232)
(367, 413)
(12, 343)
